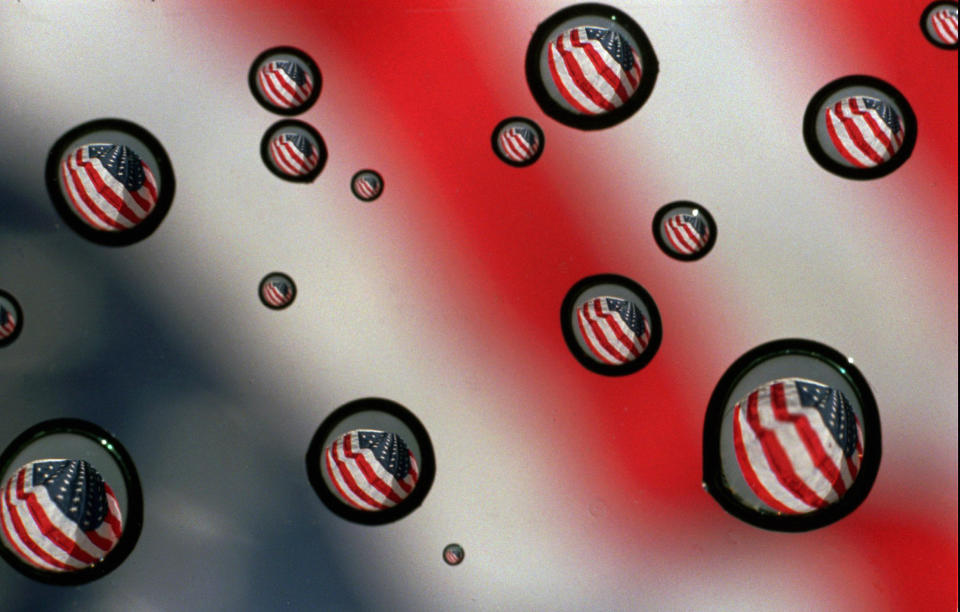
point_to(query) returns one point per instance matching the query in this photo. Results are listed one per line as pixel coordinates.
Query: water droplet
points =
(684, 230)
(11, 318)
(367, 185)
(517, 141)
(939, 24)
(859, 127)
(285, 80)
(596, 89)
(277, 290)
(453, 554)
(293, 151)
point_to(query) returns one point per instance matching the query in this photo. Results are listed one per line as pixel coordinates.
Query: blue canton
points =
(616, 46)
(629, 313)
(389, 450)
(301, 142)
(835, 411)
(696, 222)
(294, 71)
(885, 111)
(76, 488)
(282, 287)
(527, 134)
(4, 314)
(121, 162)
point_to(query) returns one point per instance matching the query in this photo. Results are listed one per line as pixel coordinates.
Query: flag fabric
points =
(686, 233)
(286, 84)
(518, 143)
(798, 444)
(58, 515)
(108, 186)
(944, 22)
(293, 154)
(367, 186)
(372, 470)
(865, 131)
(594, 69)
(277, 292)
(7, 323)
(614, 329)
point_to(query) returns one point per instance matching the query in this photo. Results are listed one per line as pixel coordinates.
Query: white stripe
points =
(567, 83)
(761, 467)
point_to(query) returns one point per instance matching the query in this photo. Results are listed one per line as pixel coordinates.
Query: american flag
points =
(293, 153)
(944, 22)
(277, 292)
(109, 186)
(7, 323)
(865, 131)
(59, 515)
(614, 329)
(595, 69)
(367, 185)
(372, 470)
(686, 233)
(286, 84)
(797, 443)
(518, 143)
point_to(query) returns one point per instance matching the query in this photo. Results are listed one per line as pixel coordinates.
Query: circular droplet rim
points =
(648, 63)
(353, 188)
(495, 142)
(17, 313)
(828, 163)
(164, 169)
(665, 210)
(132, 522)
(318, 140)
(263, 281)
(459, 554)
(713, 478)
(308, 63)
(926, 31)
(427, 463)
(569, 333)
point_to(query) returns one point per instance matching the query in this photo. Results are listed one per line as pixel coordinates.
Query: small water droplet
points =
(453, 554)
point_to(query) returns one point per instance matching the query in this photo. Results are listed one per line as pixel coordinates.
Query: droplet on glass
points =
(11, 318)
(590, 66)
(367, 185)
(859, 127)
(371, 461)
(611, 325)
(684, 230)
(285, 80)
(72, 507)
(517, 141)
(791, 437)
(939, 23)
(277, 290)
(293, 151)
(453, 554)
(110, 181)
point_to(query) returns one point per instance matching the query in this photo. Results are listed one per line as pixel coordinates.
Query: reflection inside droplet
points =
(614, 329)
(370, 469)
(453, 554)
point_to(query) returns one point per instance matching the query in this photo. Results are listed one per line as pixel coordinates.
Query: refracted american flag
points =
(367, 185)
(686, 233)
(293, 153)
(594, 69)
(614, 329)
(59, 515)
(864, 130)
(277, 292)
(944, 22)
(518, 143)
(7, 322)
(372, 470)
(286, 84)
(798, 444)
(108, 186)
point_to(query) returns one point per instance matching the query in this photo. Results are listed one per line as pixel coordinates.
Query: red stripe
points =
(348, 477)
(604, 70)
(560, 86)
(79, 188)
(634, 74)
(779, 460)
(746, 468)
(621, 335)
(22, 532)
(879, 133)
(52, 531)
(855, 134)
(112, 519)
(107, 192)
(150, 183)
(581, 81)
(599, 333)
(810, 440)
